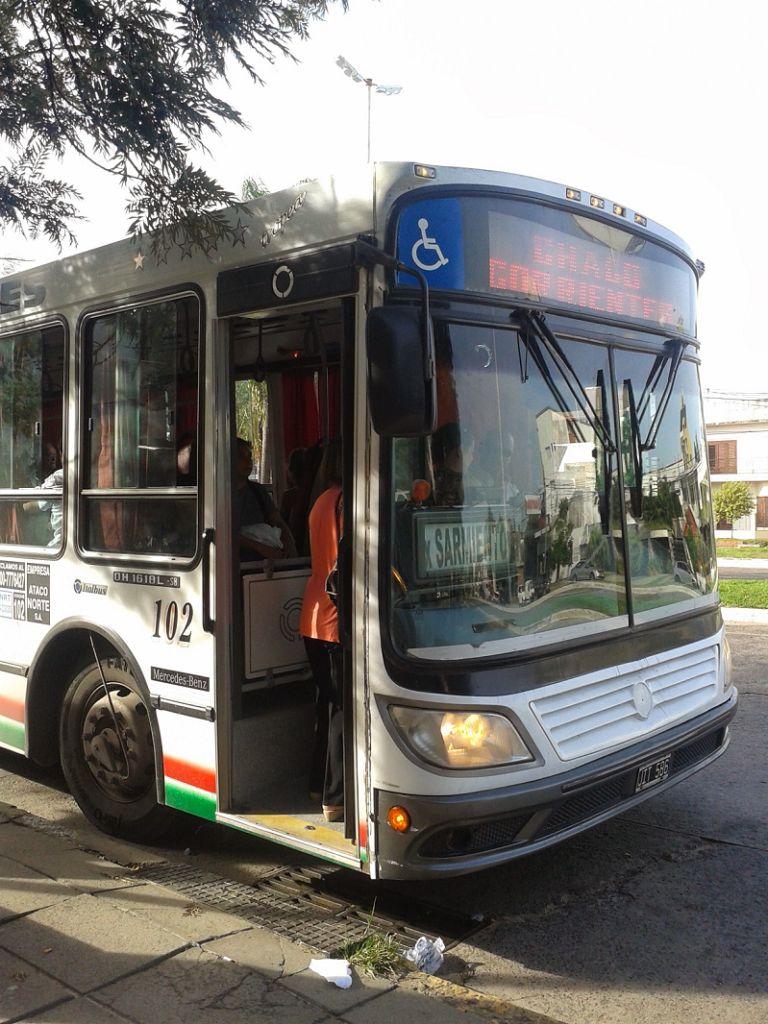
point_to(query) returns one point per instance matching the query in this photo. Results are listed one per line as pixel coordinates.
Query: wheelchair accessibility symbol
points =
(426, 252)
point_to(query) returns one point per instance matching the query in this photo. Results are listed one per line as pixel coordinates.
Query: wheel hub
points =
(117, 743)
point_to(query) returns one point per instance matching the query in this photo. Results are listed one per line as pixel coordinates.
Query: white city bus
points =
(512, 368)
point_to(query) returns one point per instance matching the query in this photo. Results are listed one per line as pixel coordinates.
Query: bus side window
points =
(31, 428)
(141, 406)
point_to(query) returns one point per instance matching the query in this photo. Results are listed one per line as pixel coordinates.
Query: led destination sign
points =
(557, 258)
(587, 265)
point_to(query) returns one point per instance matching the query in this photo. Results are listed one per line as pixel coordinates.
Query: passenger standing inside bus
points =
(294, 476)
(53, 480)
(319, 625)
(262, 531)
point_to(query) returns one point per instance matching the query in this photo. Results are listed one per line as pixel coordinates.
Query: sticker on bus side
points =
(39, 593)
(25, 591)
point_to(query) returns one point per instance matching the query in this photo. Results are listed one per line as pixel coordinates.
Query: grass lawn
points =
(726, 549)
(744, 593)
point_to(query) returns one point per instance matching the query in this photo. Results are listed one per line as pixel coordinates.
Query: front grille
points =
(618, 790)
(461, 840)
(586, 805)
(695, 752)
(598, 712)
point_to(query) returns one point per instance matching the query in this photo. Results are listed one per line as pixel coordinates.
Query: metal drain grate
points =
(310, 905)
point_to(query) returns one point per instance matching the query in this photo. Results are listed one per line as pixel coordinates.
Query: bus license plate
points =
(652, 774)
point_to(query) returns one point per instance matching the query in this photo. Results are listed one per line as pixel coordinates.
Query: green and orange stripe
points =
(12, 732)
(190, 787)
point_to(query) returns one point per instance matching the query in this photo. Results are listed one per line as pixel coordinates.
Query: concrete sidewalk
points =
(85, 941)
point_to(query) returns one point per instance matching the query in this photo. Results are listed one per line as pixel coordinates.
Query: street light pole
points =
(384, 90)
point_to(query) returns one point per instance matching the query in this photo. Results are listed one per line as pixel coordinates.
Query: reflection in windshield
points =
(668, 529)
(508, 495)
(510, 521)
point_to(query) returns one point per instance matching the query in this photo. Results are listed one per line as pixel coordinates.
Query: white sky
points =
(658, 105)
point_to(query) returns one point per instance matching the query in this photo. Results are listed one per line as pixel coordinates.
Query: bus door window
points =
(291, 405)
(31, 433)
(142, 415)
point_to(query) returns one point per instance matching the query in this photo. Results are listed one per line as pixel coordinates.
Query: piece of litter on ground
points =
(336, 971)
(427, 955)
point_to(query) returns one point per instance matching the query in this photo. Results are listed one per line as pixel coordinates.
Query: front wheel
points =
(107, 753)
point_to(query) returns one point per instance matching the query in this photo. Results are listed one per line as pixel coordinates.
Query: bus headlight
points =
(460, 739)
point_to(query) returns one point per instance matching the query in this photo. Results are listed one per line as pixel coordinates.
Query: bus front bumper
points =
(453, 835)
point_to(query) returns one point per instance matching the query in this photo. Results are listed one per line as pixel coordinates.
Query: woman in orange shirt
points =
(319, 625)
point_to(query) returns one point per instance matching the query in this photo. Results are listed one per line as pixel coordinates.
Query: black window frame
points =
(83, 495)
(33, 493)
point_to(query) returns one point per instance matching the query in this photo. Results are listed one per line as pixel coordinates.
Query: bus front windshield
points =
(514, 519)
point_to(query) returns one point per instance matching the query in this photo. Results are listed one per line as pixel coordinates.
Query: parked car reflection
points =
(684, 575)
(585, 570)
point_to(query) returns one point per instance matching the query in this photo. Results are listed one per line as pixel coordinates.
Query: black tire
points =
(111, 774)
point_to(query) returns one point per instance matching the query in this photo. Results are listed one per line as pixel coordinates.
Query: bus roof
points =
(322, 212)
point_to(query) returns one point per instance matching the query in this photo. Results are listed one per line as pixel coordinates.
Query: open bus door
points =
(290, 376)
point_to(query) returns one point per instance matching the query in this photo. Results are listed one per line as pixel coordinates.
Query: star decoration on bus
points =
(208, 244)
(238, 233)
(138, 261)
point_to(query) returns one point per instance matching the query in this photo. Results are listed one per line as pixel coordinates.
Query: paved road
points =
(743, 568)
(742, 572)
(659, 914)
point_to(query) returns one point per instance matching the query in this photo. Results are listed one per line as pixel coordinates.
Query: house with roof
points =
(737, 445)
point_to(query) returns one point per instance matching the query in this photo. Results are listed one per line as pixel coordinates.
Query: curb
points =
(468, 1000)
(756, 615)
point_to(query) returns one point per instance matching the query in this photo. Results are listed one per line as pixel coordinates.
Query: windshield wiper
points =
(635, 448)
(673, 353)
(528, 336)
(537, 325)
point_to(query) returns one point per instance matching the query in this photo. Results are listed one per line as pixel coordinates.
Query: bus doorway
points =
(287, 399)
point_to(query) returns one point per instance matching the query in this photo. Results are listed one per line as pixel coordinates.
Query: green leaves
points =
(732, 500)
(129, 84)
(27, 196)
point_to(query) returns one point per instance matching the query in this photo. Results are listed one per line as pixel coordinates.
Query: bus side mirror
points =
(401, 375)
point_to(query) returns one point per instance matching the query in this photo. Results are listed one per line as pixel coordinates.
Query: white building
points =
(737, 444)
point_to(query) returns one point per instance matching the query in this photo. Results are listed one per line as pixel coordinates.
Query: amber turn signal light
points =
(399, 819)
(420, 490)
